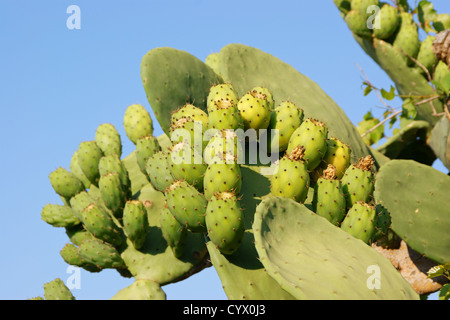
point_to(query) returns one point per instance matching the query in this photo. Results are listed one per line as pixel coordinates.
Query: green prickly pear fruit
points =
(255, 110)
(89, 155)
(329, 199)
(187, 205)
(112, 193)
(223, 142)
(79, 202)
(65, 183)
(108, 139)
(389, 20)
(158, 171)
(312, 135)
(189, 111)
(441, 71)
(112, 163)
(186, 163)
(146, 147)
(221, 92)
(291, 179)
(137, 122)
(360, 221)
(358, 24)
(100, 254)
(426, 54)
(72, 257)
(77, 234)
(355, 4)
(365, 7)
(358, 181)
(407, 38)
(59, 216)
(98, 222)
(76, 170)
(135, 222)
(269, 97)
(222, 176)
(286, 118)
(225, 115)
(225, 222)
(57, 290)
(173, 232)
(190, 131)
(338, 154)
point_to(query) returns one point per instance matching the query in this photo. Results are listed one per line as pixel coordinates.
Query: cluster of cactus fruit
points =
(198, 194)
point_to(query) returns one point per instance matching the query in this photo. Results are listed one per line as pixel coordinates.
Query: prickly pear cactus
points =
(163, 213)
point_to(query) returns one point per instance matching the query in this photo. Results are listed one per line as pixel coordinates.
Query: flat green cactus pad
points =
(440, 140)
(312, 259)
(172, 78)
(141, 290)
(417, 197)
(246, 67)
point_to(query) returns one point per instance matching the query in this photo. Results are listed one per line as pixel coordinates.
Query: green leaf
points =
(436, 271)
(409, 110)
(367, 90)
(388, 95)
(444, 294)
(368, 116)
(426, 14)
(374, 136)
(392, 122)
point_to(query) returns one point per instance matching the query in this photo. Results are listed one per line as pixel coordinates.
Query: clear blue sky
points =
(57, 85)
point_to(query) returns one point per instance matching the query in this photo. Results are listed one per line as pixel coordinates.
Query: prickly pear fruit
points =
(407, 38)
(358, 181)
(286, 118)
(112, 193)
(173, 232)
(111, 164)
(225, 115)
(355, 4)
(59, 216)
(189, 111)
(89, 155)
(65, 183)
(98, 222)
(389, 20)
(146, 147)
(222, 176)
(137, 122)
(223, 141)
(329, 199)
(360, 221)
(79, 202)
(108, 139)
(186, 163)
(190, 131)
(268, 94)
(76, 170)
(344, 6)
(358, 24)
(426, 54)
(187, 205)
(291, 179)
(57, 290)
(72, 257)
(221, 92)
(364, 8)
(225, 222)
(158, 171)
(255, 110)
(135, 222)
(338, 154)
(77, 234)
(100, 254)
(312, 135)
